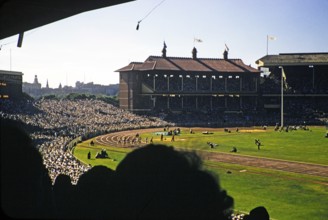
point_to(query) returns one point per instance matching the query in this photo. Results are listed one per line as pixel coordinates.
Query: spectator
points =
(25, 184)
(157, 181)
(64, 197)
(94, 194)
(258, 213)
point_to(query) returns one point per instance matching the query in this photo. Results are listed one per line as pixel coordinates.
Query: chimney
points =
(225, 54)
(164, 50)
(194, 53)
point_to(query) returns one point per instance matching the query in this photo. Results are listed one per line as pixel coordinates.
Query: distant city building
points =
(33, 89)
(96, 88)
(10, 84)
(189, 84)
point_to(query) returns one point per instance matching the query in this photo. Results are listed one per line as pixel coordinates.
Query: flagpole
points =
(10, 59)
(269, 37)
(282, 99)
(267, 44)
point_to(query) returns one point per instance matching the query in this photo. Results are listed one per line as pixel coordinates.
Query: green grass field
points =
(286, 195)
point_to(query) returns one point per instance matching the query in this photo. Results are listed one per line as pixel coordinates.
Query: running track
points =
(274, 164)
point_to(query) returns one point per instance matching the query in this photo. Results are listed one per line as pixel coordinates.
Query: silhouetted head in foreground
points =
(258, 213)
(158, 182)
(94, 194)
(25, 183)
(64, 197)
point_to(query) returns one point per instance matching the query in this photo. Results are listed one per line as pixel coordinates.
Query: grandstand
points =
(188, 84)
(306, 85)
(10, 84)
(214, 91)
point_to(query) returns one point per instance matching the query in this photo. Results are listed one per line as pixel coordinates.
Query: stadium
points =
(252, 128)
(65, 130)
(225, 113)
(196, 138)
(220, 88)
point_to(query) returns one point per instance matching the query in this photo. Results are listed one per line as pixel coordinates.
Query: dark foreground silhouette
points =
(258, 213)
(152, 182)
(158, 182)
(26, 190)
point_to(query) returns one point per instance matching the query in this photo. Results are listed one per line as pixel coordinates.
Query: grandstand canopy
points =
(189, 65)
(17, 16)
(293, 59)
(5, 72)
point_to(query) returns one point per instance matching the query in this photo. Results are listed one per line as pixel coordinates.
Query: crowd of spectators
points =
(203, 103)
(53, 124)
(294, 85)
(242, 119)
(218, 84)
(199, 83)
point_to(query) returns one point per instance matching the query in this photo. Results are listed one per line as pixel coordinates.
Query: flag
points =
(283, 74)
(284, 78)
(227, 48)
(271, 37)
(198, 40)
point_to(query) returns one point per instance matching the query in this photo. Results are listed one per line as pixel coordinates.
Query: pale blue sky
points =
(91, 46)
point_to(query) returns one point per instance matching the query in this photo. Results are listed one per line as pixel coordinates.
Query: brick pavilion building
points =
(188, 84)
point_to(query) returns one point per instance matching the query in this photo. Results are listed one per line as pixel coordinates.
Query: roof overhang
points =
(6, 72)
(188, 64)
(18, 16)
(293, 59)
